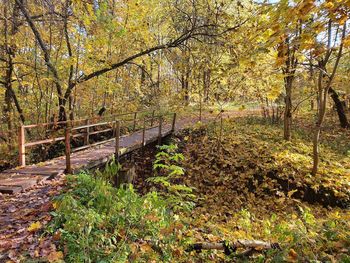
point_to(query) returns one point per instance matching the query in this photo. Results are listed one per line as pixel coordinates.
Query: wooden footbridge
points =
(121, 134)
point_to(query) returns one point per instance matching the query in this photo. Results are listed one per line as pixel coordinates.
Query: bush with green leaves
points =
(168, 171)
(99, 223)
(110, 171)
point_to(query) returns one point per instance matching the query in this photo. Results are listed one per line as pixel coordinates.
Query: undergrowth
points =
(99, 223)
(240, 196)
(221, 191)
(168, 172)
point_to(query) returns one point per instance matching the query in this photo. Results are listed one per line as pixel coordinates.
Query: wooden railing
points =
(114, 126)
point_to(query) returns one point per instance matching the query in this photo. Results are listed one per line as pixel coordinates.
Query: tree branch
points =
(42, 46)
(175, 43)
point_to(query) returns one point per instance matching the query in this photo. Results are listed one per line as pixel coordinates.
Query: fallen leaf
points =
(55, 256)
(290, 193)
(292, 255)
(34, 226)
(145, 248)
(57, 235)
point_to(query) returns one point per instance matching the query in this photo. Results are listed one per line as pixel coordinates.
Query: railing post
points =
(21, 146)
(67, 150)
(173, 124)
(117, 137)
(152, 119)
(134, 127)
(143, 131)
(160, 130)
(87, 133)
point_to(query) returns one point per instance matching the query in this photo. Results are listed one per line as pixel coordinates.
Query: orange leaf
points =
(292, 255)
(55, 256)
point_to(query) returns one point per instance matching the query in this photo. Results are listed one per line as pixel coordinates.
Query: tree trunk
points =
(71, 108)
(344, 123)
(62, 109)
(206, 84)
(184, 86)
(288, 108)
(316, 141)
(317, 132)
(8, 82)
(8, 117)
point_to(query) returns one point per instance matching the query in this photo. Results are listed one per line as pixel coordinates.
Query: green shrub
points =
(167, 172)
(99, 223)
(109, 172)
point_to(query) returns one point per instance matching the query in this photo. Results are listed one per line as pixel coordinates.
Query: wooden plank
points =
(57, 139)
(92, 145)
(52, 123)
(51, 140)
(102, 131)
(93, 125)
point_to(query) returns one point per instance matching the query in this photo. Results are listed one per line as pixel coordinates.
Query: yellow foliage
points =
(34, 226)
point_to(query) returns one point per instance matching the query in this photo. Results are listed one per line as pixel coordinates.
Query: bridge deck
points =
(21, 178)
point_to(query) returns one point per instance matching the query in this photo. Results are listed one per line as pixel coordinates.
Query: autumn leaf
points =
(55, 256)
(151, 217)
(34, 226)
(57, 236)
(292, 255)
(346, 41)
(145, 248)
(55, 205)
(290, 193)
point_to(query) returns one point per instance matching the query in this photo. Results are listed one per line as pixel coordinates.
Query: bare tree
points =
(324, 84)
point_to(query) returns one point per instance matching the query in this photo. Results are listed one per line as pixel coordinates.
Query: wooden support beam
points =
(160, 130)
(21, 146)
(117, 140)
(67, 132)
(173, 124)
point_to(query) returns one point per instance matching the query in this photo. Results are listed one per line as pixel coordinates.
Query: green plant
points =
(110, 171)
(99, 223)
(168, 173)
